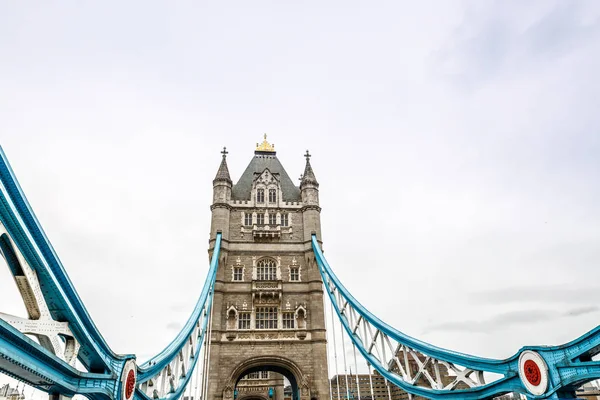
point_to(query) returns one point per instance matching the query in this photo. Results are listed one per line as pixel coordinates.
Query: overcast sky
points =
(456, 144)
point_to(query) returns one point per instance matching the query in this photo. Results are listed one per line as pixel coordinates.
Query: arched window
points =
(260, 196)
(272, 196)
(266, 270)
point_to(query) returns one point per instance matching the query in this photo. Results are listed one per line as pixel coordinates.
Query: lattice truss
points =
(55, 336)
(429, 371)
(57, 348)
(158, 382)
(413, 367)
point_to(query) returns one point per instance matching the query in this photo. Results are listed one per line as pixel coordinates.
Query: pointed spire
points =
(309, 176)
(223, 172)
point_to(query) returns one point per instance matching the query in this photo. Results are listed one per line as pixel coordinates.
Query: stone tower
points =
(268, 303)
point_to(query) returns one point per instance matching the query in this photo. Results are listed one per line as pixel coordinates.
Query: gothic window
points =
(238, 273)
(294, 274)
(284, 220)
(288, 320)
(257, 375)
(266, 317)
(244, 320)
(266, 270)
(272, 196)
(260, 196)
(272, 219)
(248, 219)
(260, 219)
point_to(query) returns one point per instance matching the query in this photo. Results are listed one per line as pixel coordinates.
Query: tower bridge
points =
(260, 319)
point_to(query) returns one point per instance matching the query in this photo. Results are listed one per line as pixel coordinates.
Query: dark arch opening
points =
(273, 368)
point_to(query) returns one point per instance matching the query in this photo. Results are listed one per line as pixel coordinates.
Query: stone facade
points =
(268, 303)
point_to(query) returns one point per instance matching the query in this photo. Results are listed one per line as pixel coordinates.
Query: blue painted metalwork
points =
(569, 365)
(61, 297)
(32, 363)
(27, 250)
(196, 327)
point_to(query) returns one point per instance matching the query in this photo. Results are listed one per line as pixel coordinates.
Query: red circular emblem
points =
(532, 372)
(129, 384)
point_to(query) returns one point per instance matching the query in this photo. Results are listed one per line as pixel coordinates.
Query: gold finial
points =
(265, 146)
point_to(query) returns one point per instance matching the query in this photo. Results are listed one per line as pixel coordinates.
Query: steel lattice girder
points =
(56, 313)
(538, 371)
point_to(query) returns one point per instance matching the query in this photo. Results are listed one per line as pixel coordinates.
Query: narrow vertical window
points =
(244, 320)
(266, 317)
(260, 219)
(294, 274)
(238, 273)
(272, 219)
(288, 320)
(272, 196)
(284, 220)
(260, 196)
(248, 219)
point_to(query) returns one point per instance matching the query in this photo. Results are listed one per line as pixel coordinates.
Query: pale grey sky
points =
(456, 144)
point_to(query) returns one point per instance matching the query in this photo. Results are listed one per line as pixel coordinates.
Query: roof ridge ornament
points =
(265, 146)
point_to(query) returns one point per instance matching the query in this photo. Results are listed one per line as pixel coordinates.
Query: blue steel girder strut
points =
(418, 367)
(59, 294)
(176, 363)
(63, 328)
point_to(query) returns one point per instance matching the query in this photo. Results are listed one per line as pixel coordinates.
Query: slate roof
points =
(242, 190)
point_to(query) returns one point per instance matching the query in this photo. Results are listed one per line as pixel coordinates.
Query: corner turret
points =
(309, 189)
(220, 208)
(222, 183)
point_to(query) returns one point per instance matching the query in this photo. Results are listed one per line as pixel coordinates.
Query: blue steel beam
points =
(26, 360)
(110, 375)
(157, 363)
(61, 297)
(568, 365)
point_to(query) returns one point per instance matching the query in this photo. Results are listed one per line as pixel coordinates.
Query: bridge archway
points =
(277, 364)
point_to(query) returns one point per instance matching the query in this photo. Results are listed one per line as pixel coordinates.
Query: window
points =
(294, 274)
(238, 273)
(244, 320)
(272, 196)
(288, 320)
(272, 219)
(266, 270)
(248, 219)
(260, 196)
(257, 375)
(266, 317)
(260, 219)
(284, 220)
